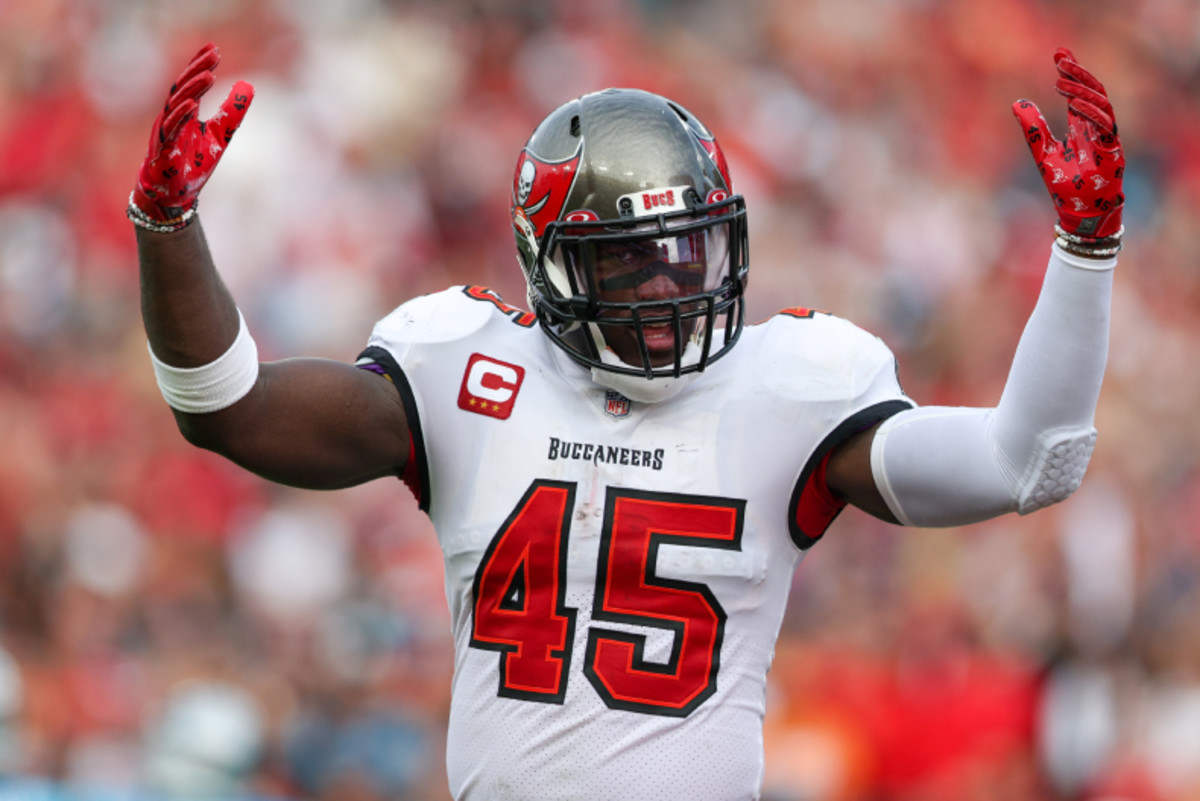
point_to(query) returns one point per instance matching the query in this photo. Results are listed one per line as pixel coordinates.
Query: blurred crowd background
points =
(171, 627)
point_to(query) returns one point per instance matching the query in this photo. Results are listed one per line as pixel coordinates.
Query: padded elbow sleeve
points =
(938, 466)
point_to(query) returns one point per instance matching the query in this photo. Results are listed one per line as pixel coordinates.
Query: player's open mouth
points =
(659, 337)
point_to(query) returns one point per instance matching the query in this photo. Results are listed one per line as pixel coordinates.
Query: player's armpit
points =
(311, 423)
(850, 478)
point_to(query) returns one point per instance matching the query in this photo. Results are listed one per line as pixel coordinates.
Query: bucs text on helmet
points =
(631, 238)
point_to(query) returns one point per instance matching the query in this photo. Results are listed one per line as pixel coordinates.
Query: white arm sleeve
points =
(939, 466)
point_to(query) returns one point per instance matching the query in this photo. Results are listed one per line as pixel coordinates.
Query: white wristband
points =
(213, 386)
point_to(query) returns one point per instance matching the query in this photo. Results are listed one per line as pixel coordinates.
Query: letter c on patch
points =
(490, 386)
(492, 381)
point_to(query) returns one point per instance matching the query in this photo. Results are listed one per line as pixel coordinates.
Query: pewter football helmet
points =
(631, 173)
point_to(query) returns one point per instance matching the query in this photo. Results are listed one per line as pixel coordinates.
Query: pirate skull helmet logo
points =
(525, 181)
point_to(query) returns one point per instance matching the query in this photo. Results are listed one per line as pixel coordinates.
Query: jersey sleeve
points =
(404, 337)
(851, 376)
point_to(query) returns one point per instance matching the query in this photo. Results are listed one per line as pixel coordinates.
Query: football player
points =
(624, 479)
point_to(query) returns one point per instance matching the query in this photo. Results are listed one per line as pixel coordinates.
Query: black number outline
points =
(507, 650)
(651, 578)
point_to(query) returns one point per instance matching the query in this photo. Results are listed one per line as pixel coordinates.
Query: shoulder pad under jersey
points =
(813, 355)
(445, 316)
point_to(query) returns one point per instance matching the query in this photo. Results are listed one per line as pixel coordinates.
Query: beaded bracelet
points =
(1087, 246)
(143, 220)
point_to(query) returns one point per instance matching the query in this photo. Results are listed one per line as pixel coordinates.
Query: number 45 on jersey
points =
(520, 590)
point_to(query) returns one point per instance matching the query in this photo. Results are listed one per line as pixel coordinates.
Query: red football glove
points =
(1083, 174)
(184, 151)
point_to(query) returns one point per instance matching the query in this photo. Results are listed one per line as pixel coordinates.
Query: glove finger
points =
(190, 91)
(1071, 70)
(1068, 88)
(1062, 53)
(1095, 106)
(1037, 133)
(1077, 91)
(1093, 114)
(175, 120)
(205, 60)
(229, 117)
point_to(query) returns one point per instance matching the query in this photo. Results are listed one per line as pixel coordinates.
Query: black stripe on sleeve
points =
(416, 472)
(858, 421)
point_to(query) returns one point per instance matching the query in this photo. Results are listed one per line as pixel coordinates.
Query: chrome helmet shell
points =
(631, 238)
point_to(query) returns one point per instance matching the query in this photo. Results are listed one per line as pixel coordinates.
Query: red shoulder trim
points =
(801, 312)
(817, 506)
(519, 316)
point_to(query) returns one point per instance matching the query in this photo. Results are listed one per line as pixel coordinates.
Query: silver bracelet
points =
(1089, 247)
(1089, 251)
(1087, 240)
(143, 220)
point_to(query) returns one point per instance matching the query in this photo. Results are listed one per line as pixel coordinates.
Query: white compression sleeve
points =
(939, 466)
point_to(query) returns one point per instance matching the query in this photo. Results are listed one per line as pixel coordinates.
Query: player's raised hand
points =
(184, 150)
(1083, 173)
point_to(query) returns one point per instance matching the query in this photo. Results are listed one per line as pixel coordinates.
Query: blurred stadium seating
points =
(301, 640)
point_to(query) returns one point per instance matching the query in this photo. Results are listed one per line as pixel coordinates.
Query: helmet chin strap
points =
(645, 390)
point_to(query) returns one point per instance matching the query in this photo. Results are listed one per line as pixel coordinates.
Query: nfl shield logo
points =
(616, 404)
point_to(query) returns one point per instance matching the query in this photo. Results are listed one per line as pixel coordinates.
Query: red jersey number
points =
(629, 591)
(519, 589)
(520, 585)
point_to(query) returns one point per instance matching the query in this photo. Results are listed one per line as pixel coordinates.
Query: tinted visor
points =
(608, 266)
(618, 284)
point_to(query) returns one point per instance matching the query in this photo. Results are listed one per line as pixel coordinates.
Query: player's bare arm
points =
(312, 423)
(634, 246)
(938, 466)
(850, 478)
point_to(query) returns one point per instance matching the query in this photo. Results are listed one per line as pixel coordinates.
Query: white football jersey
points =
(616, 571)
